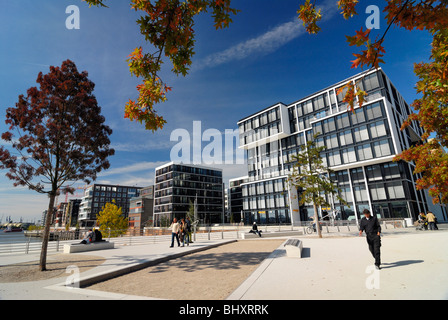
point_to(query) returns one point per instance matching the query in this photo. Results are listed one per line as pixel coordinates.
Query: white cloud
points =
(267, 42)
(136, 167)
(261, 45)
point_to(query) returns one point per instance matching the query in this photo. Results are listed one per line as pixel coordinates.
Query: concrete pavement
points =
(414, 267)
(339, 266)
(121, 260)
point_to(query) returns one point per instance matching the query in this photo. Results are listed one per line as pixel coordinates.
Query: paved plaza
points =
(339, 266)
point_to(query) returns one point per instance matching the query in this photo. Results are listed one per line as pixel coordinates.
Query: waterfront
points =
(16, 237)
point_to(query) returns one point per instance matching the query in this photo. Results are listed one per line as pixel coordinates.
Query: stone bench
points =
(77, 247)
(271, 234)
(294, 248)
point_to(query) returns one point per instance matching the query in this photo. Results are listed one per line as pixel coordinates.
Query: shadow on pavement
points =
(399, 263)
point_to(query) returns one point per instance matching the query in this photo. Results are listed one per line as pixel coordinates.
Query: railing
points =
(33, 244)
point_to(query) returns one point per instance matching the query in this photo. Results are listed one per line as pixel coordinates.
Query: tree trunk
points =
(46, 236)
(316, 219)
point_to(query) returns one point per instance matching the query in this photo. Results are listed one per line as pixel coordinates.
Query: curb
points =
(110, 274)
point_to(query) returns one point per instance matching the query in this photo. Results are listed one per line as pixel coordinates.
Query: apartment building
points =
(360, 148)
(178, 185)
(97, 195)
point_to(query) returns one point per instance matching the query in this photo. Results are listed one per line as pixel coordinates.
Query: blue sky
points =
(263, 58)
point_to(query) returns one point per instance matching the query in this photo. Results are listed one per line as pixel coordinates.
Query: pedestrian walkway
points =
(339, 266)
(414, 267)
(121, 260)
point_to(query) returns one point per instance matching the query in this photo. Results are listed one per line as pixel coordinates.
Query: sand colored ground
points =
(211, 274)
(56, 267)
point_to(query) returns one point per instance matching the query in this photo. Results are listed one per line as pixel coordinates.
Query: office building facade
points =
(71, 212)
(178, 185)
(360, 148)
(235, 201)
(141, 209)
(96, 196)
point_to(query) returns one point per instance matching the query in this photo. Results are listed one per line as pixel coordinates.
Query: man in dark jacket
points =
(371, 226)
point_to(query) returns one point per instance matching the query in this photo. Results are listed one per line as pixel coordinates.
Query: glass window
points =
(360, 193)
(378, 192)
(343, 121)
(317, 128)
(348, 155)
(371, 82)
(365, 152)
(269, 186)
(279, 185)
(378, 129)
(346, 137)
(334, 159)
(261, 202)
(358, 116)
(399, 210)
(332, 98)
(374, 173)
(273, 129)
(357, 175)
(263, 119)
(329, 125)
(299, 110)
(361, 134)
(396, 190)
(300, 139)
(391, 171)
(374, 111)
(382, 148)
(308, 107)
(320, 102)
(346, 194)
(260, 188)
(272, 115)
(332, 141)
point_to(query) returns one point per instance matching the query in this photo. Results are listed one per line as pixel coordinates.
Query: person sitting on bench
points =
(98, 236)
(88, 238)
(255, 229)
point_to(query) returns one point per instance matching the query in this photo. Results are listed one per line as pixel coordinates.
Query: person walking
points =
(187, 220)
(183, 233)
(175, 227)
(372, 228)
(431, 218)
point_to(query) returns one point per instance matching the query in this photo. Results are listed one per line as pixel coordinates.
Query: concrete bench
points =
(271, 234)
(294, 248)
(77, 247)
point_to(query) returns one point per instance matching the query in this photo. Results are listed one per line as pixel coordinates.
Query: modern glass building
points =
(236, 200)
(97, 195)
(178, 185)
(360, 147)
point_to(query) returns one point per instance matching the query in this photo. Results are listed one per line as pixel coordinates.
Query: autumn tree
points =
(56, 136)
(168, 26)
(429, 156)
(111, 220)
(312, 179)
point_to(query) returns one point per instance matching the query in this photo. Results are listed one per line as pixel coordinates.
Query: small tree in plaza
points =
(312, 178)
(111, 219)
